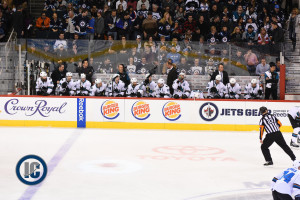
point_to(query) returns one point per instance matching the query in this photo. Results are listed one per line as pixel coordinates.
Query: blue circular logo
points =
(31, 170)
(209, 111)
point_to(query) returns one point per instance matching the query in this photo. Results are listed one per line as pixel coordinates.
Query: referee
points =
(271, 124)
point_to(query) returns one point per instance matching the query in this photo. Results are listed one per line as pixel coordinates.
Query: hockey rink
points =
(108, 164)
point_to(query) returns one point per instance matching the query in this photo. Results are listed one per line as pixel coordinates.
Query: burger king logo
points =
(110, 109)
(140, 110)
(171, 111)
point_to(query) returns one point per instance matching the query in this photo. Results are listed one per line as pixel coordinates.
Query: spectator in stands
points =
(213, 36)
(99, 26)
(141, 2)
(238, 59)
(294, 21)
(239, 13)
(43, 25)
(122, 71)
(172, 74)
(123, 3)
(251, 23)
(179, 15)
(225, 22)
(196, 69)
(262, 67)
(272, 79)
(156, 14)
(124, 26)
(82, 24)
(71, 21)
(189, 24)
(168, 3)
(61, 40)
(86, 69)
(222, 73)
(137, 25)
(18, 22)
(174, 56)
(278, 64)
(55, 27)
(203, 25)
(131, 67)
(143, 67)
(58, 74)
(263, 37)
(240, 23)
(250, 36)
(278, 13)
(110, 23)
(120, 11)
(133, 4)
(277, 37)
(251, 61)
(267, 24)
(164, 26)
(149, 26)
(236, 35)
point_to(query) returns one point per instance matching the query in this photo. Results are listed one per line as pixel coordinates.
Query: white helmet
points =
(218, 77)
(115, 76)
(69, 74)
(133, 80)
(182, 74)
(161, 81)
(296, 164)
(43, 74)
(82, 76)
(98, 80)
(253, 81)
(147, 75)
(232, 81)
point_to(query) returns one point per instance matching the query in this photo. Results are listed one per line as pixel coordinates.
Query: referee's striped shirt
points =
(270, 123)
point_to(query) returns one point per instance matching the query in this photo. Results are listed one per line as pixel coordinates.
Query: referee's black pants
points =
(279, 196)
(278, 138)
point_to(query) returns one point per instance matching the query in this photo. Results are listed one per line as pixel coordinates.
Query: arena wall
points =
(136, 113)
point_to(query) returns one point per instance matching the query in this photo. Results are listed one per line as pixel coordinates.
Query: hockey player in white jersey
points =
(197, 94)
(162, 90)
(44, 85)
(67, 86)
(181, 87)
(83, 86)
(148, 86)
(253, 90)
(294, 117)
(98, 89)
(116, 87)
(287, 183)
(232, 89)
(216, 88)
(133, 89)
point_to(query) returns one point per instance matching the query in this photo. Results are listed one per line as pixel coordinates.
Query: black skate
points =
(292, 144)
(268, 163)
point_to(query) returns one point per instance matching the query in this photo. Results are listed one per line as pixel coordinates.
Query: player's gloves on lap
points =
(176, 96)
(116, 90)
(259, 92)
(64, 85)
(139, 94)
(232, 93)
(161, 94)
(213, 90)
(119, 95)
(132, 94)
(180, 88)
(184, 96)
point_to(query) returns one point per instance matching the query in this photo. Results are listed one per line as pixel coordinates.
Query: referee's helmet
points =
(262, 109)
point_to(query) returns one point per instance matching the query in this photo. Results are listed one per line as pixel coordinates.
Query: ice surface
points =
(110, 164)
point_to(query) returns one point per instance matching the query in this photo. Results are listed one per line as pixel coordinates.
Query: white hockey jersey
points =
(253, 93)
(220, 89)
(98, 91)
(181, 88)
(46, 86)
(149, 89)
(284, 181)
(132, 90)
(196, 70)
(293, 112)
(233, 92)
(71, 85)
(115, 89)
(83, 87)
(163, 92)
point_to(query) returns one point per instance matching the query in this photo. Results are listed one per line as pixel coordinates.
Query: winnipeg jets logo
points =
(82, 23)
(208, 111)
(224, 39)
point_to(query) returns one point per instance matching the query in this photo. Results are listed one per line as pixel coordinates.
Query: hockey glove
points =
(232, 93)
(64, 85)
(176, 96)
(213, 90)
(259, 92)
(184, 96)
(139, 94)
(180, 88)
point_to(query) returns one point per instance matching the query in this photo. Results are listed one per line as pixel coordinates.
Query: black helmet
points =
(262, 109)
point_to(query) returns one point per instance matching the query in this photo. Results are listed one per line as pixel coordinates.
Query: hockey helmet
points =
(232, 81)
(115, 76)
(69, 74)
(133, 80)
(296, 164)
(218, 77)
(161, 81)
(147, 75)
(82, 76)
(98, 80)
(182, 74)
(253, 81)
(43, 74)
(262, 109)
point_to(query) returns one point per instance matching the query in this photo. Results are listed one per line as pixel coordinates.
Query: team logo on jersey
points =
(31, 170)
(171, 111)
(110, 109)
(208, 111)
(140, 110)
